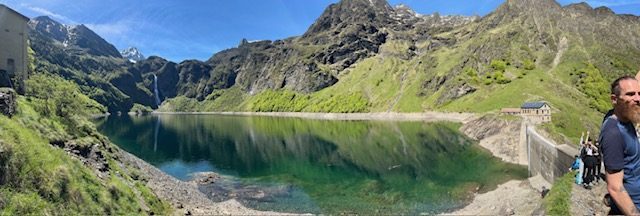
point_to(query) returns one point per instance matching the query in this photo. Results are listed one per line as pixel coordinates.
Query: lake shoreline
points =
(184, 196)
(380, 116)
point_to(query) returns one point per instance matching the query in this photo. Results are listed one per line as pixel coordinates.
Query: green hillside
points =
(53, 161)
(518, 53)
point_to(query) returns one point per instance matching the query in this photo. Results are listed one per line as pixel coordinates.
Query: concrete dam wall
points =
(546, 158)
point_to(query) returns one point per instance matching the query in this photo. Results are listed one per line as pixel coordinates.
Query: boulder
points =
(8, 102)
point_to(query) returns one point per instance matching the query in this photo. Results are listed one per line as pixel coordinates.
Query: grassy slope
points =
(378, 81)
(392, 82)
(38, 178)
(558, 201)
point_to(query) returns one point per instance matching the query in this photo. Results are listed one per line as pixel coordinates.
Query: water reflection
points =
(338, 166)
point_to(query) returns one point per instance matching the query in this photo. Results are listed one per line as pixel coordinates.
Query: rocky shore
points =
(185, 196)
(502, 137)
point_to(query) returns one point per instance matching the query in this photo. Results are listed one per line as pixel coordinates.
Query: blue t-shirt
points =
(620, 151)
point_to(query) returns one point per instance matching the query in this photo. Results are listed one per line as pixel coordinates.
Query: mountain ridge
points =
(385, 58)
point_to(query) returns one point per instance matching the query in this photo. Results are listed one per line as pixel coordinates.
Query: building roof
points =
(2, 6)
(533, 105)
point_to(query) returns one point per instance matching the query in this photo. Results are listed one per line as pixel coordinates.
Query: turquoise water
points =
(299, 165)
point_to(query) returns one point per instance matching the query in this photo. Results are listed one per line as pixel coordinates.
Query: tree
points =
(60, 97)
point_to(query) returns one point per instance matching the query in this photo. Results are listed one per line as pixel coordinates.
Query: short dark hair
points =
(615, 86)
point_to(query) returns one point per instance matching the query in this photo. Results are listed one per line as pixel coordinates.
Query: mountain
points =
(76, 38)
(367, 56)
(133, 54)
(79, 54)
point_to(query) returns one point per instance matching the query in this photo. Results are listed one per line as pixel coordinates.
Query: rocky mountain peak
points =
(77, 37)
(582, 6)
(533, 3)
(379, 5)
(405, 12)
(351, 12)
(85, 38)
(132, 53)
(538, 7)
(49, 27)
(602, 10)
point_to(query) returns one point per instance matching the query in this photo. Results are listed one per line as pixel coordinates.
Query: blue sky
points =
(195, 29)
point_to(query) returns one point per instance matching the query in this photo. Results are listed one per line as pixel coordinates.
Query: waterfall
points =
(155, 90)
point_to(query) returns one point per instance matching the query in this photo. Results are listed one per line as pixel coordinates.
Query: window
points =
(11, 66)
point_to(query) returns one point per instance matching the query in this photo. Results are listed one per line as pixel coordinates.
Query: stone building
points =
(510, 111)
(538, 112)
(13, 48)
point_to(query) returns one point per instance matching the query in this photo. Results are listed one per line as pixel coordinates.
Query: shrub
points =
(529, 65)
(60, 97)
(595, 87)
(500, 78)
(139, 108)
(343, 103)
(278, 101)
(498, 65)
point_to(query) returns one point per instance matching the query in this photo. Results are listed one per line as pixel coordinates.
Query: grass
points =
(39, 178)
(568, 119)
(558, 201)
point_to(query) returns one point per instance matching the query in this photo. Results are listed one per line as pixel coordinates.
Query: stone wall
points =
(546, 158)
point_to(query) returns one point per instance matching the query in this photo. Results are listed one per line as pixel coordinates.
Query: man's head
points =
(625, 96)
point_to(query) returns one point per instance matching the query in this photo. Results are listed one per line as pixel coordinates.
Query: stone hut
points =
(510, 111)
(13, 48)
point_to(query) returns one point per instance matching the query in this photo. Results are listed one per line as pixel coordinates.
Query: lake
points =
(317, 166)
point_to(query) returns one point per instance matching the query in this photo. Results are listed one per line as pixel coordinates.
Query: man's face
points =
(628, 102)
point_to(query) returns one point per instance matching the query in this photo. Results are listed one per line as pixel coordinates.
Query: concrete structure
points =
(545, 158)
(537, 112)
(13, 48)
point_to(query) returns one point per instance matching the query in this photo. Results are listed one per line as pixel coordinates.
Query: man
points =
(620, 147)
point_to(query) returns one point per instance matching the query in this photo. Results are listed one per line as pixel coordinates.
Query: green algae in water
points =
(320, 166)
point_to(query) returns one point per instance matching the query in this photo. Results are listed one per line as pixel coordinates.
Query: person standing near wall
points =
(598, 170)
(589, 163)
(620, 147)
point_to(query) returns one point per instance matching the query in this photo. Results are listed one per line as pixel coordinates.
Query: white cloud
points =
(49, 13)
(109, 30)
